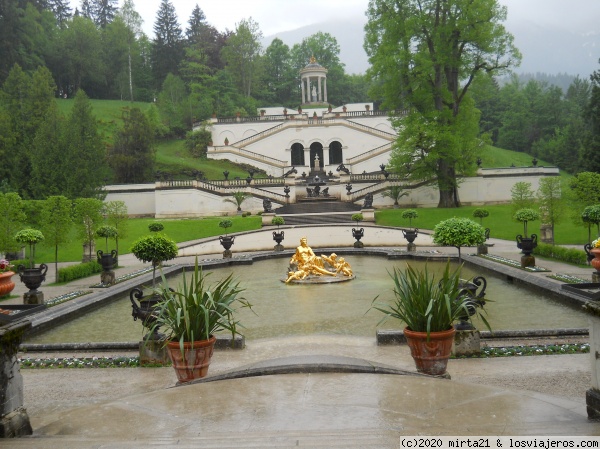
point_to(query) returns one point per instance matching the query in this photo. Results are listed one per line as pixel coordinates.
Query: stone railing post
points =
(14, 421)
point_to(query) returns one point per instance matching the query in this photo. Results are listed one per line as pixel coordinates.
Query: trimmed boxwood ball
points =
(155, 248)
(156, 226)
(458, 232)
(526, 215)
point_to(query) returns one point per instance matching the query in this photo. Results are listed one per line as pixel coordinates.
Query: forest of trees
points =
(53, 49)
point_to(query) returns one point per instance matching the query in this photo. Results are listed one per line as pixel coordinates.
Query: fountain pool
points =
(335, 309)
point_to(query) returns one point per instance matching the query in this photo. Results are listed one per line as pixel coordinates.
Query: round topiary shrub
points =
(458, 232)
(156, 226)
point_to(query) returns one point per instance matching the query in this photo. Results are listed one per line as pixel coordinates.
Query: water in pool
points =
(290, 309)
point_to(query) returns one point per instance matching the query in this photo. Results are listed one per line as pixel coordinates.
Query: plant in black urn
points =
(524, 243)
(278, 235)
(106, 259)
(410, 234)
(226, 241)
(32, 277)
(358, 233)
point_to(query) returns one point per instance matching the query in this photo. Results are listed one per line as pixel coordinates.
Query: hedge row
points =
(82, 270)
(569, 255)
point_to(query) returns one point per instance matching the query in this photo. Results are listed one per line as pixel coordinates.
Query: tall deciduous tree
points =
(82, 49)
(56, 222)
(167, 50)
(132, 155)
(117, 217)
(88, 217)
(242, 55)
(12, 219)
(133, 21)
(552, 204)
(280, 78)
(427, 53)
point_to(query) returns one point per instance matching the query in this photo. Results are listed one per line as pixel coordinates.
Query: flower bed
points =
(567, 278)
(512, 263)
(134, 362)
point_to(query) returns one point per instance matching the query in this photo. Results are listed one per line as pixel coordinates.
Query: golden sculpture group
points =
(305, 263)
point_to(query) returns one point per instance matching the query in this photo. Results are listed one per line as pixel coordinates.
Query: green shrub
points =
(82, 270)
(156, 226)
(568, 255)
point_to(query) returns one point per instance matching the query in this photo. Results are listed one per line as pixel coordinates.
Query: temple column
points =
(325, 88)
(319, 95)
(302, 84)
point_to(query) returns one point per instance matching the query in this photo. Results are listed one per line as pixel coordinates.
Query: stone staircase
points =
(317, 211)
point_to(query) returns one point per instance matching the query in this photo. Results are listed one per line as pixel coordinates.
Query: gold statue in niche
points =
(305, 263)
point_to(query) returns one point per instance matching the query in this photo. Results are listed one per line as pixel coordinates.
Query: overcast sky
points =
(275, 16)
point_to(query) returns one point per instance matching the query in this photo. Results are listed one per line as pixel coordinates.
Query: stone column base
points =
(592, 401)
(15, 424)
(107, 277)
(527, 261)
(33, 297)
(466, 343)
(153, 352)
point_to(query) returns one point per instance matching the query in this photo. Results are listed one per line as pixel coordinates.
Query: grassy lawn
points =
(171, 155)
(178, 230)
(499, 221)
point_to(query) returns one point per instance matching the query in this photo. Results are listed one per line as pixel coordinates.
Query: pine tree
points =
(87, 169)
(167, 51)
(132, 156)
(104, 11)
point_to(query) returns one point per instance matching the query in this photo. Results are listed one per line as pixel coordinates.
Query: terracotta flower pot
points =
(431, 357)
(6, 283)
(595, 262)
(193, 363)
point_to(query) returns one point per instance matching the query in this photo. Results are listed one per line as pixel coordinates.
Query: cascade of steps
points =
(317, 211)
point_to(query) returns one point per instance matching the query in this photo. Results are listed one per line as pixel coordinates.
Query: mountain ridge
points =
(548, 49)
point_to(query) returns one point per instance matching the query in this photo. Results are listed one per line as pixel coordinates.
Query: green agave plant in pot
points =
(191, 315)
(429, 306)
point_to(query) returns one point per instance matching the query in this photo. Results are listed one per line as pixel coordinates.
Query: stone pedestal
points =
(482, 249)
(108, 277)
(596, 276)
(153, 352)
(592, 397)
(467, 343)
(33, 297)
(546, 233)
(527, 261)
(368, 215)
(278, 247)
(411, 247)
(89, 252)
(267, 217)
(14, 421)
(227, 254)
